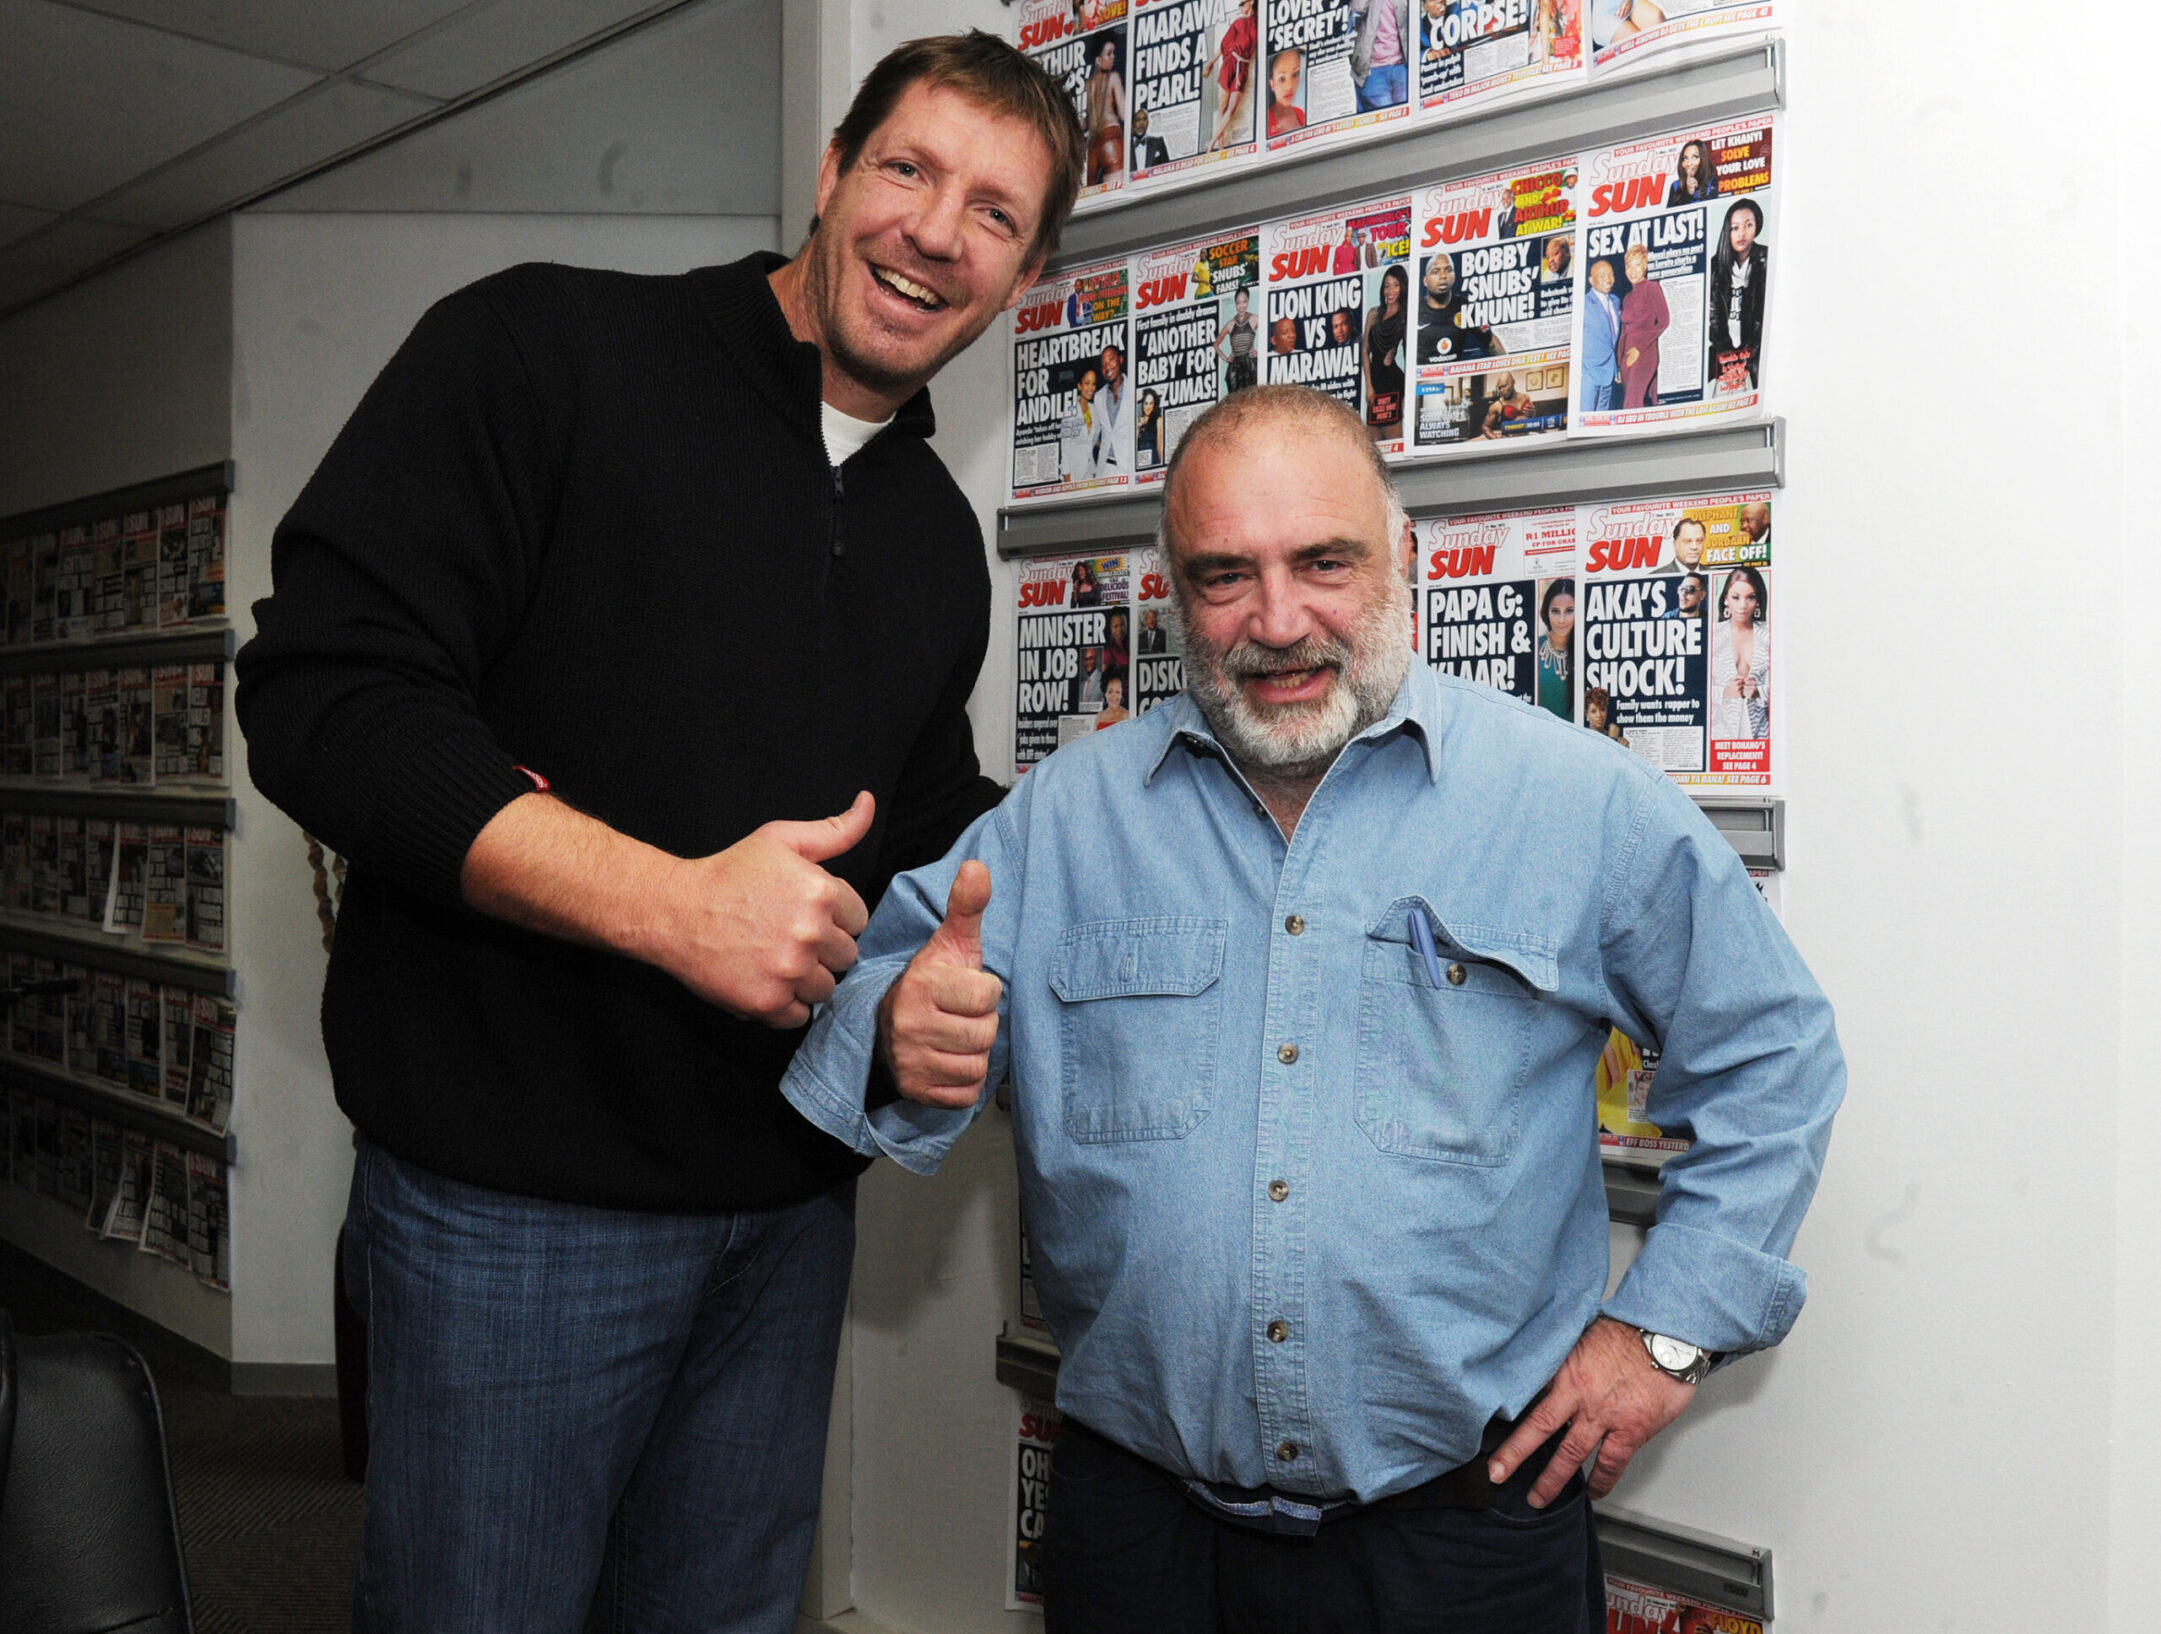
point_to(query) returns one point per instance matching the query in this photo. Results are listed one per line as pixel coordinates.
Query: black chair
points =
(88, 1539)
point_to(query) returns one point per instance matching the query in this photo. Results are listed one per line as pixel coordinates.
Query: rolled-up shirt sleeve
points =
(1750, 1071)
(828, 1078)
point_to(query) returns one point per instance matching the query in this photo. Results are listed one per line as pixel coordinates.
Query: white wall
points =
(320, 303)
(1962, 1433)
(119, 380)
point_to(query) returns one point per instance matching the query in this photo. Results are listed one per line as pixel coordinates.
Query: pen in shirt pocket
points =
(1422, 940)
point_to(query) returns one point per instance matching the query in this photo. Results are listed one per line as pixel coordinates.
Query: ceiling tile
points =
(484, 45)
(326, 34)
(680, 118)
(92, 102)
(18, 222)
(286, 141)
(44, 261)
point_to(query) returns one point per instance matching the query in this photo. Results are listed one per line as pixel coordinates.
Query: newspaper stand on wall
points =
(1494, 306)
(1196, 338)
(1675, 272)
(1630, 31)
(1676, 634)
(1159, 671)
(1328, 68)
(1082, 45)
(1472, 54)
(1338, 308)
(1072, 394)
(1196, 84)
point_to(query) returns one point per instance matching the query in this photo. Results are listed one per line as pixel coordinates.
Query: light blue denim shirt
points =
(1301, 1216)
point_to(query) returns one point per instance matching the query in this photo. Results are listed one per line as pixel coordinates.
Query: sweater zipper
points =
(836, 546)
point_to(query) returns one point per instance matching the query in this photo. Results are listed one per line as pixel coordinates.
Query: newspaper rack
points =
(1702, 1564)
(122, 1107)
(1484, 478)
(1745, 81)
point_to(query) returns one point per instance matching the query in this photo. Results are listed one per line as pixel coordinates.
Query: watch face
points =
(1674, 1355)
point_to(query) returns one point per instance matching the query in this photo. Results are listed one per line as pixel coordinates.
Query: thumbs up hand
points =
(761, 929)
(937, 1023)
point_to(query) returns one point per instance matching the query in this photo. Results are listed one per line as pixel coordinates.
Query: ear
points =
(1030, 271)
(828, 175)
(1406, 549)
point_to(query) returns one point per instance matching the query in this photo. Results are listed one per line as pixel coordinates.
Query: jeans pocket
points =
(1441, 1067)
(1140, 1007)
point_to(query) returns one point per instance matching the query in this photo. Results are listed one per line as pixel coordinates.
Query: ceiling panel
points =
(318, 33)
(682, 117)
(47, 259)
(304, 132)
(17, 222)
(484, 45)
(91, 102)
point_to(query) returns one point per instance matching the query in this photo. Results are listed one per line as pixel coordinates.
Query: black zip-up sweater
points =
(583, 522)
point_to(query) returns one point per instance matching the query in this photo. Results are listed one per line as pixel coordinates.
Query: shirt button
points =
(1278, 1190)
(1456, 974)
(1295, 925)
(1288, 1054)
(1288, 1452)
(1278, 1331)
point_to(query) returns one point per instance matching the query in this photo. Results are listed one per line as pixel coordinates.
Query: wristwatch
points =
(1678, 1359)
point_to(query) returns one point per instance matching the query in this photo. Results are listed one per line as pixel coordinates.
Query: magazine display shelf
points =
(1634, 1546)
(195, 646)
(1744, 81)
(119, 1106)
(1488, 477)
(205, 640)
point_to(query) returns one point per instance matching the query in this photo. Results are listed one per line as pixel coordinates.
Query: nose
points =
(1279, 616)
(936, 230)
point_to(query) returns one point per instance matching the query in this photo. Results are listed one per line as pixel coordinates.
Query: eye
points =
(903, 167)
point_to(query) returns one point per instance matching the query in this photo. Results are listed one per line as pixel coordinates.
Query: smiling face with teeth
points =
(1290, 570)
(924, 239)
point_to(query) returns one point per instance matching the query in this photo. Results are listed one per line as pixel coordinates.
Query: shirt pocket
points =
(1140, 1006)
(1441, 1068)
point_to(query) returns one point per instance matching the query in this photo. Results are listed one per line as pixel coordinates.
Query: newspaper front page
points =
(1498, 602)
(1073, 638)
(1339, 308)
(1639, 1608)
(1677, 634)
(1626, 31)
(1674, 293)
(1495, 305)
(1159, 670)
(1072, 389)
(1082, 45)
(1472, 52)
(1196, 338)
(1334, 65)
(1195, 86)
(1035, 1435)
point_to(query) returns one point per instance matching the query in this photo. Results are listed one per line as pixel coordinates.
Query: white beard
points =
(1302, 737)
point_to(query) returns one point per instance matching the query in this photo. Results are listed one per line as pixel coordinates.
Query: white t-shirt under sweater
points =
(845, 434)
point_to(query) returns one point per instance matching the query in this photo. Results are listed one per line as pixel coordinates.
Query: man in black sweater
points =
(611, 590)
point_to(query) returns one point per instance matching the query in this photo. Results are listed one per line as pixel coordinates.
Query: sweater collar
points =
(746, 315)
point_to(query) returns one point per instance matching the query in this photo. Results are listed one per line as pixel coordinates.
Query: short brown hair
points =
(988, 70)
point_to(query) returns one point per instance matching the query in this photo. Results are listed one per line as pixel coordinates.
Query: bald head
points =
(1265, 419)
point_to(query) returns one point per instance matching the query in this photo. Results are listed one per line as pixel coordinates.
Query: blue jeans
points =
(1384, 88)
(578, 1413)
(1126, 1551)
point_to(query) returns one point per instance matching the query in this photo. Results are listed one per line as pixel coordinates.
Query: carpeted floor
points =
(268, 1518)
(269, 1522)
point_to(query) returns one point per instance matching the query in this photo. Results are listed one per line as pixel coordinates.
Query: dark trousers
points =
(1126, 1551)
(580, 1418)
